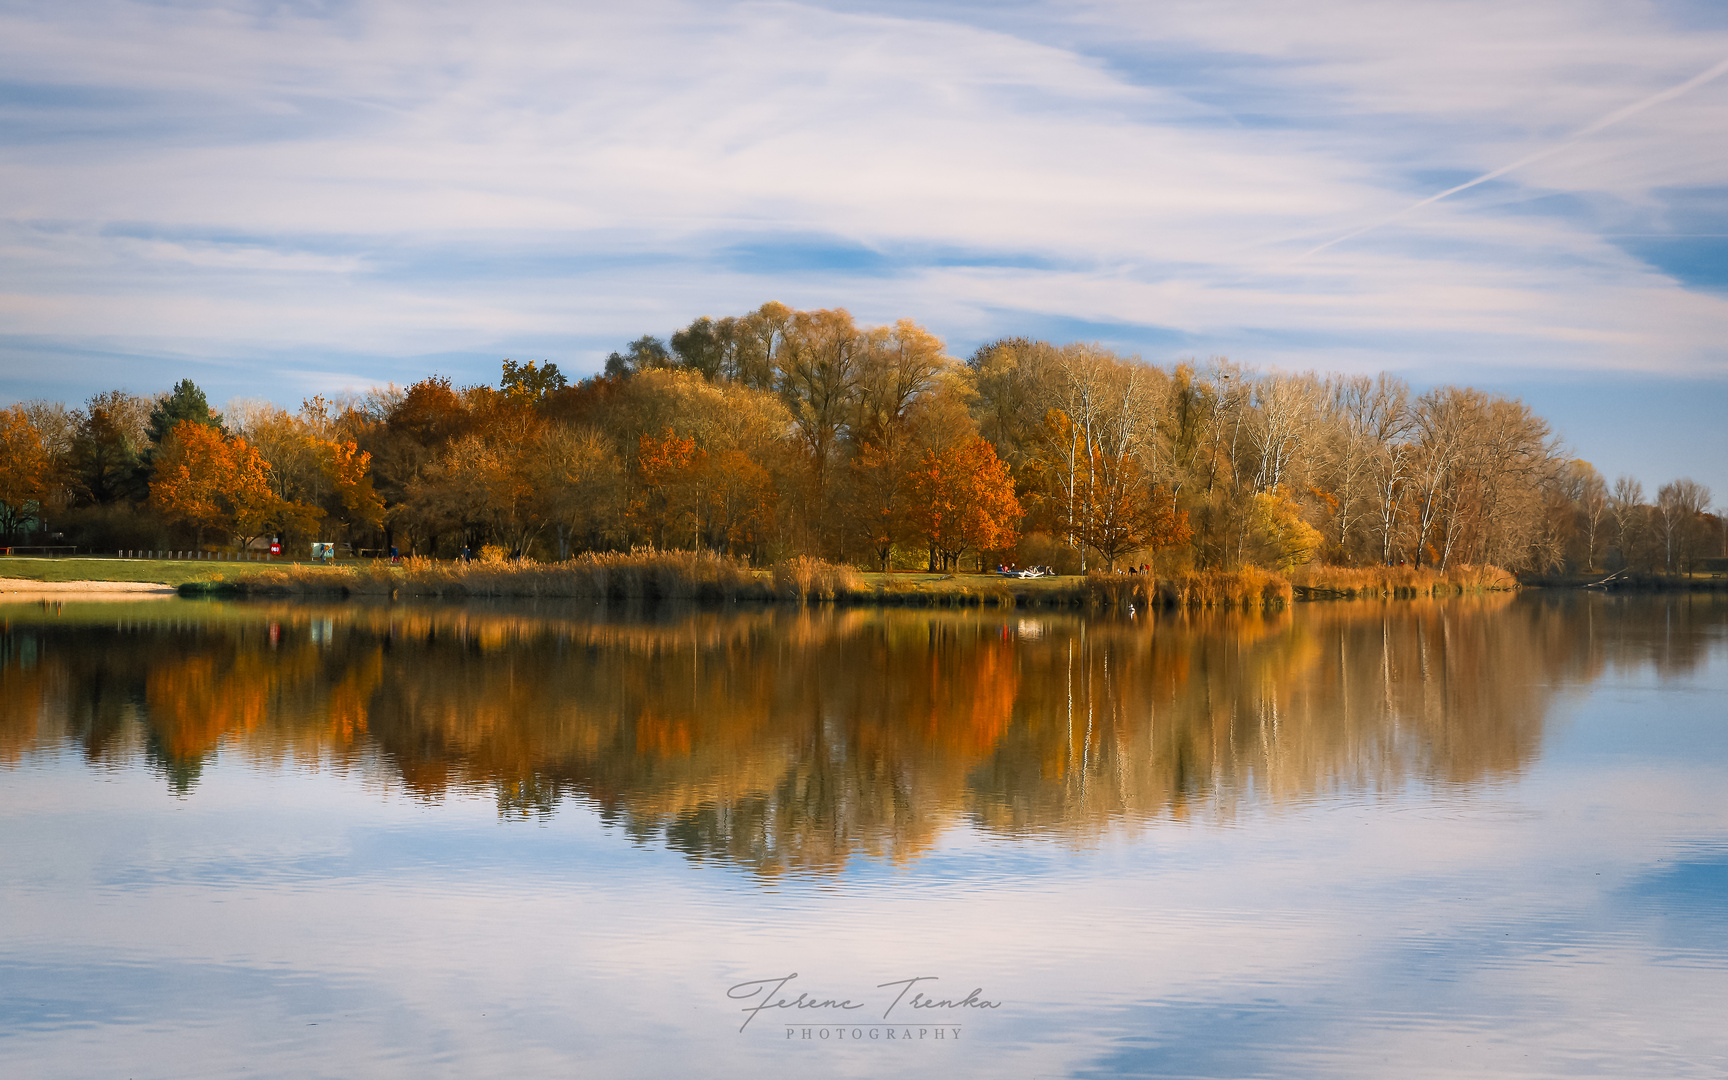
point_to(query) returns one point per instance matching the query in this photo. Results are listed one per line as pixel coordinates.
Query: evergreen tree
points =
(185, 402)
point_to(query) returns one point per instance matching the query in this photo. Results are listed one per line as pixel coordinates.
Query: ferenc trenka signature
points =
(768, 994)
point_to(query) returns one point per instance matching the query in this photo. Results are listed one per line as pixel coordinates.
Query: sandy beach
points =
(18, 588)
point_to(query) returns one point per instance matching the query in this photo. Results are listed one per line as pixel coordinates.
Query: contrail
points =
(1583, 133)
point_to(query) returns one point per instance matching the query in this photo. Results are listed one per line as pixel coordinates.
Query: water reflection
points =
(794, 740)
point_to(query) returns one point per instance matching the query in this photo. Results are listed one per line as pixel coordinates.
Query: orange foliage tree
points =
(963, 498)
(1105, 501)
(669, 505)
(209, 481)
(25, 468)
(741, 500)
(1127, 514)
(878, 498)
(349, 469)
(723, 501)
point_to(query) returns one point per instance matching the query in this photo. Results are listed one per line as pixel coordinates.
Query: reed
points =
(707, 577)
(805, 578)
(638, 575)
(1368, 582)
(1249, 588)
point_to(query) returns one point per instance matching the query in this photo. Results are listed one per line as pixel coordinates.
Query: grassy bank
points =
(921, 590)
(108, 568)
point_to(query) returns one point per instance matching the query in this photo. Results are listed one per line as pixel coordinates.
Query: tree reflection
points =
(786, 740)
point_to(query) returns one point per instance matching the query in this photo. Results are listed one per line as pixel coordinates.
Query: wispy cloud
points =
(1588, 130)
(339, 187)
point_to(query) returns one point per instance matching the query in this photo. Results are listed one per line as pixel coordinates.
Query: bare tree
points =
(1366, 418)
(1679, 512)
(1626, 506)
(1591, 495)
(1285, 409)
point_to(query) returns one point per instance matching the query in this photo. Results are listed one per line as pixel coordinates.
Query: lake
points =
(1468, 838)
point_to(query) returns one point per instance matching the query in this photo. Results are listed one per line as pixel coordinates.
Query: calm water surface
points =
(1462, 839)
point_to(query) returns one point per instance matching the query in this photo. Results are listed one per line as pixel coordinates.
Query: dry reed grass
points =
(639, 575)
(1249, 588)
(704, 576)
(805, 578)
(1367, 582)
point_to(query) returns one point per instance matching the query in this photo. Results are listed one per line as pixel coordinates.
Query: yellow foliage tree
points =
(1277, 533)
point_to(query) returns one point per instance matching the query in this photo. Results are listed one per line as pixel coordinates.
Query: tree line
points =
(783, 432)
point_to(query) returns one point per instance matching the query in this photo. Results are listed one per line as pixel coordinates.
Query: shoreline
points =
(154, 578)
(983, 591)
(10, 585)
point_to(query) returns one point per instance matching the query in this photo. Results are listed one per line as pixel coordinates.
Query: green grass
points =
(100, 568)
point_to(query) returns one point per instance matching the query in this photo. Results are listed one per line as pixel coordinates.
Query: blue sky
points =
(281, 198)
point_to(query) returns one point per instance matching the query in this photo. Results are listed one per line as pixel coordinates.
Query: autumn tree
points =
(819, 376)
(669, 506)
(707, 347)
(26, 470)
(729, 491)
(1585, 496)
(583, 476)
(963, 498)
(1096, 437)
(489, 480)
(1279, 536)
(408, 448)
(322, 480)
(646, 353)
(530, 383)
(209, 481)
(880, 483)
(1012, 379)
(901, 367)
(1127, 513)
(105, 460)
(760, 340)
(742, 499)
(1357, 468)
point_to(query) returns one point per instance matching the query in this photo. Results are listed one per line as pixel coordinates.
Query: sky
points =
(278, 198)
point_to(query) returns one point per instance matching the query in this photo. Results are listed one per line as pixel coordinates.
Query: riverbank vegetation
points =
(1344, 582)
(795, 440)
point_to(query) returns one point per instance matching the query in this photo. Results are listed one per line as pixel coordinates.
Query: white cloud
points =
(237, 177)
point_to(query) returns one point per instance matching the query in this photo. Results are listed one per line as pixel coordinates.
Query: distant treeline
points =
(782, 433)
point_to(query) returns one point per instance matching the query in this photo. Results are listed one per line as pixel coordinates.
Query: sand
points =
(13, 587)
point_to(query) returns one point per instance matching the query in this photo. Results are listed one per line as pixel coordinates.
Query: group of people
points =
(1009, 570)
